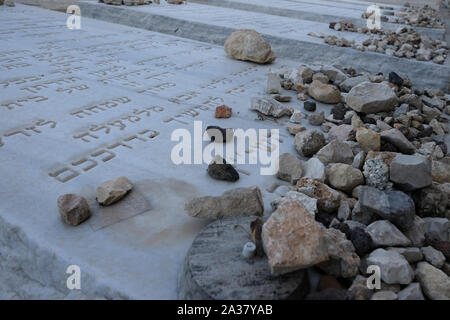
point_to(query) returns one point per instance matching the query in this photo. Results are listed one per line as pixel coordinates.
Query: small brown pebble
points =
(73, 209)
(223, 111)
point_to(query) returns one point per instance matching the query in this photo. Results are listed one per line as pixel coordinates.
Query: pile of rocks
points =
(418, 16)
(373, 193)
(404, 42)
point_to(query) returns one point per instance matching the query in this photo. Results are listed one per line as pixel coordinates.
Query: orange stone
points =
(223, 111)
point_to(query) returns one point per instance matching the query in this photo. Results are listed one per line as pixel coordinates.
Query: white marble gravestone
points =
(79, 107)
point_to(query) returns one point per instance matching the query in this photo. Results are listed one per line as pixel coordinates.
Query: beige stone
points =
(73, 209)
(344, 177)
(369, 140)
(325, 93)
(293, 239)
(113, 190)
(248, 45)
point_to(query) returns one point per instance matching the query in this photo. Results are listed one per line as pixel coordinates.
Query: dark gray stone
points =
(394, 206)
(410, 172)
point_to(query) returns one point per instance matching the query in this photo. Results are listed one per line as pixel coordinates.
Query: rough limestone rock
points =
(417, 232)
(73, 209)
(293, 239)
(410, 172)
(325, 93)
(359, 160)
(434, 282)
(314, 169)
(232, 203)
(385, 234)
(294, 128)
(394, 206)
(393, 266)
(348, 84)
(344, 132)
(369, 140)
(334, 74)
(290, 168)
(368, 97)
(344, 177)
(433, 256)
(248, 45)
(309, 203)
(269, 107)
(344, 262)
(113, 190)
(411, 292)
(395, 137)
(328, 199)
(438, 228)
(335, 152)
(307, 143)
(273, 83)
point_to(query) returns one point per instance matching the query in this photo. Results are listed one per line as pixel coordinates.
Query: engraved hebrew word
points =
(21, 102)
(119, 123)
(99, 107)
(28, 130)
(88, 162)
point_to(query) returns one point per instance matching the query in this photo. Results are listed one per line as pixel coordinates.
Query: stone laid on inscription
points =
(232, 203)
(269, 106)
(73, 209)
(248, 45)
(223, 111)
(113, 190)
(221, 170)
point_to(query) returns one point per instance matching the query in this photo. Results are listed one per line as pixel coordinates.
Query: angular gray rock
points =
(113, 190)
(335, 152)
(411, 254)
(395, 137)
(235, 202)
(393, 266)
(434, 282)
(349, 83)
(269, 107)
(248, 45)
(410, 172)
(314, 169)
(433, 256)
(385, 234)
(394, 206)
(290, 168)
(368, 97)
(438, 228)
(344, 262)
(307, 143)
(344, 132)
(73, 209)
(411, 292)
(417, 232)
(317, 118)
